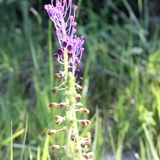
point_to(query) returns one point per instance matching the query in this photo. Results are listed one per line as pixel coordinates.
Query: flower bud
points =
(60, 52)
(84, 110)
(57, 76)
(78, 97)
(53, 105)
(56, 56)
(64, 129)
(54, 90)
(90, 154)
(55, 147)
(70, 55)
(59, 119)
(80, 80)
(69, 47)
(64, 44)
(85, 155)
(72, 137)
(79, 88)
(50, 132)
(79, 104)
(84, 122)
(77, 71)
(64, 147)
(86, 141)
(62, 104)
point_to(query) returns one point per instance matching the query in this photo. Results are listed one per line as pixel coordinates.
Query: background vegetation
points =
(121, 74)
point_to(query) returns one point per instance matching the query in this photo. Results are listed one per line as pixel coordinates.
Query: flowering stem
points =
(62, 13)
(71, 117)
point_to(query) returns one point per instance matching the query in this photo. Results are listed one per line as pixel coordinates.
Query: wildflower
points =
(64, 21)
(62, 13)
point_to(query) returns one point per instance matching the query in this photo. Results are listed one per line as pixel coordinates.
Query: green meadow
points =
(121, 79)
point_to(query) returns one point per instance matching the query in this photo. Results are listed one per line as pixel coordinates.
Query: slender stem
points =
(50, 51)
(70, 112)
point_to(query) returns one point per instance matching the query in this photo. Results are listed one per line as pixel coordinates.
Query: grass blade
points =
(24, 140)
(11, 144)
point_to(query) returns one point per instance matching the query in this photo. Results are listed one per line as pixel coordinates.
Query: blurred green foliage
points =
(121, 74)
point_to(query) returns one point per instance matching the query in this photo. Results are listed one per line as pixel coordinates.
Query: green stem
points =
(70, 93)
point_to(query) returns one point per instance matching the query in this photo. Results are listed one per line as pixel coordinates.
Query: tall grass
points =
(121, 78)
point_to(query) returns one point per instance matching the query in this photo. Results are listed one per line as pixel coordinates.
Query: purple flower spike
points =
(63, 14)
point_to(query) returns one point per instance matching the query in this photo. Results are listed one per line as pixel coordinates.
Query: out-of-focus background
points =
(120, 67)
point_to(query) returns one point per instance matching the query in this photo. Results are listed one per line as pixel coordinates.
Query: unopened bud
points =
(55, 147)
(79, 104)
(85, 155)
(86, 141)
(64, 129)
(76, 150)
(84, 110)
(84, 122)
(62, 104)
(52, 104)
(54, 90)
(57, 76)
(80, 79)
(59, 119)
(72, 137)
(56, 56)
(64, 147)
(70, 55)
(79, 88)
(50, 132)
(78, 97)
(90, 154)
(61, 74)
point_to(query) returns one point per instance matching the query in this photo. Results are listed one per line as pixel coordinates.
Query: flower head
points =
(63, 15)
